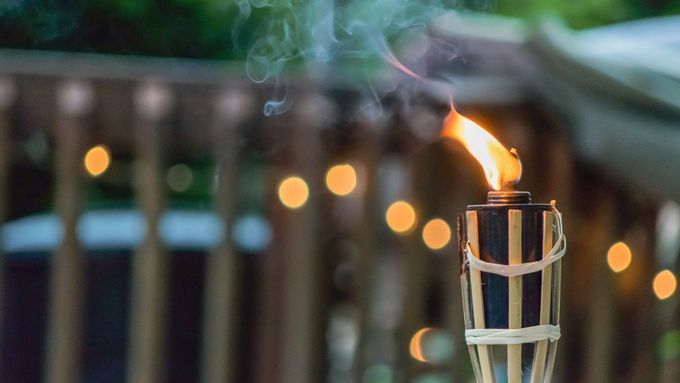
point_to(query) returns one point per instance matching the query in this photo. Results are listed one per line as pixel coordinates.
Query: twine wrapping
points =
(555, 254)
(496, 336)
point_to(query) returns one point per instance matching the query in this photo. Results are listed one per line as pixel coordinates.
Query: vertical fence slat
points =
(559, 185)
(223, 268)
(7, 92)
(150, 274)
(300, 360)
(414, 270)
(599, 336)
(670, 366)
(452, 201)
(369, 152)
(65, 321)
(267, 329)
(641, 239)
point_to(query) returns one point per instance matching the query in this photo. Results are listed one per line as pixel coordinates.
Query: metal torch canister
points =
(492, 246)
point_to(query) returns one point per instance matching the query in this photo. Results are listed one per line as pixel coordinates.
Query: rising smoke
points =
(322, 37)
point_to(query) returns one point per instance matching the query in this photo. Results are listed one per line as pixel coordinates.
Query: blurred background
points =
(255, 191)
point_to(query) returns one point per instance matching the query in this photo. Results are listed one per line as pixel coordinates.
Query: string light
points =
(341, 179)
(436, 234)
(401, 217)
(179, 178)
(619, 257)
(416, 347)
(293, 192)
(97, 160)
(664, 284)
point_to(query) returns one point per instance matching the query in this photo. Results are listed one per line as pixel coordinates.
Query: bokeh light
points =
(379, 373)
(436, 234)
(664, 284)
(341, 179)
(432, 345)
(251, 233)
(416, 345)
(97, 160)
(179, 178)
(669, 345)
(619, 257)
(401, 217)
(293, 192)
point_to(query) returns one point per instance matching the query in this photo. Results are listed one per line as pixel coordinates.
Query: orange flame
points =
(502, 167)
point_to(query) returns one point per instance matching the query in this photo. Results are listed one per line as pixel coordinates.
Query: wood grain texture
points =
(538, 369)
(477, 296)
(514, 294)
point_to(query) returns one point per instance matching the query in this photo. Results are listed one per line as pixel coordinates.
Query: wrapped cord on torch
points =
(555, 254)
(494, 336)
(504, 336)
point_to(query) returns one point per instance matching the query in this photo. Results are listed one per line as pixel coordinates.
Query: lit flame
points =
(502, 167)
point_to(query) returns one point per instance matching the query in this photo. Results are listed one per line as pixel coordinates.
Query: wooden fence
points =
(335, 296)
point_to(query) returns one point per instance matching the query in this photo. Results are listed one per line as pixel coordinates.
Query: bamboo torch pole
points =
(477, 297)
(514, 294)
(546, 288)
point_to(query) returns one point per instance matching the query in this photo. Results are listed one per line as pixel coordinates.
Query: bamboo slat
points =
(514, 294)
(67, 292)
(483, 351)
(538, 369)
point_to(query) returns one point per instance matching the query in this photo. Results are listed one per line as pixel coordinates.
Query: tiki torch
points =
(510, 252)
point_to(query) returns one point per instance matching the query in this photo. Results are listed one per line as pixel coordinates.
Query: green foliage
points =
(224, 28)
(669, 345)
(184, 28)
(588, 13)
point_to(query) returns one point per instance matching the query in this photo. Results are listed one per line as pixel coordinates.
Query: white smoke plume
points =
(325, 37)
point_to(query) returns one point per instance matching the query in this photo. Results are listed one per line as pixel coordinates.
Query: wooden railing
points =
(330, 263)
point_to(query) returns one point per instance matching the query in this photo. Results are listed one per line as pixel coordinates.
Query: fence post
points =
(300, 358)
(599, 332)
(223, 266)
(369, 152)
(7, 93)
(146, 355)
(67, 287)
